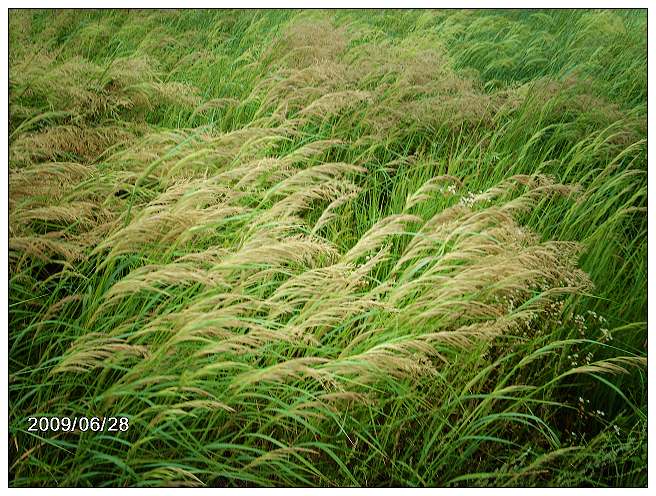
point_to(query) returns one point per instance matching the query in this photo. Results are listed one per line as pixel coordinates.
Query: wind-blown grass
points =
(329, 248)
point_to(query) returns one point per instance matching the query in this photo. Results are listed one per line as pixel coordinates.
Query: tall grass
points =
(329, 248)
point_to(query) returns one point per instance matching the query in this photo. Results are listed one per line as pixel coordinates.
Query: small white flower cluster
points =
(468, 200)
(575, 437)
(605, 333)
(575, 361)
(471, 198)
(597, 317)
(582, 409)
(579, 322)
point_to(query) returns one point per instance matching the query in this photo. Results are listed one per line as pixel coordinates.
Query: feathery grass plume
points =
(329, 213)
(93, 351)
(423, 193)
(610, 366)
(270, 252)
(332, 104)
(308, 41)
(325, 248)
(66, 142)
(289, 91)
(304, 198)
(156, 277)
(379, 233)
(254, 341)
(268, 171)
(45, 248)
(318, 174)
(82, 214)
(124, 86)
(317, 284)
(294, 368)
(184, 154)
(301, 289)
(209, 313)
(175, 216)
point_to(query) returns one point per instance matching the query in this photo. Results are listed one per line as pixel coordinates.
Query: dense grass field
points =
(342, 248)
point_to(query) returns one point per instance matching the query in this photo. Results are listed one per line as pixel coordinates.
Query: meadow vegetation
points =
(329, 248)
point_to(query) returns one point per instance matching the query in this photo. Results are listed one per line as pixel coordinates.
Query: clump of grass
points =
(327, 248)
